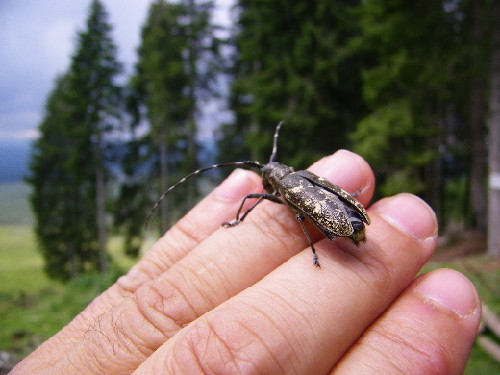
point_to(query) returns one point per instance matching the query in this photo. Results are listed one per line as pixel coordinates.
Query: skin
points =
(248, 299)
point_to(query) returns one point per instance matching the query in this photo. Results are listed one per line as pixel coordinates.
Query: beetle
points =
(334, 211)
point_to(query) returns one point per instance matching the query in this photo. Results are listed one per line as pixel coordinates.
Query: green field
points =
(21, 266)
(33, 308)
(14, 204)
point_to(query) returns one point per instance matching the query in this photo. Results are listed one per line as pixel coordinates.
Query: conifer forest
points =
(412, 86)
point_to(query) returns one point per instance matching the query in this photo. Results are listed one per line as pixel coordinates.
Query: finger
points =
(221, 266)
(219, 206)
(429, 330)
(301, 319)
(199, 223)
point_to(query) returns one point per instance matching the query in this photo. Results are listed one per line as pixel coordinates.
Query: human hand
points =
(249, 300)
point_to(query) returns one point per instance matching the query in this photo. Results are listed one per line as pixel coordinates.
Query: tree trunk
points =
(100, 187)
(164, 170)
(477, 122)
(191, 121)
(494, 140)
(191, 157)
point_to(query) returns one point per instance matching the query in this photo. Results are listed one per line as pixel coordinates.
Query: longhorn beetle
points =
(330, 208)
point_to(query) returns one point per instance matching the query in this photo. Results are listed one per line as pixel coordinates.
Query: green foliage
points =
(174, 73)
(294, 63)
(388, 139)
(21, 266)
(69, 156)
(454, 201)
(372, 138)
(29, 319)
(410, 88)
(396, 81)
(34, 307)
(403, 83)
(160, 68)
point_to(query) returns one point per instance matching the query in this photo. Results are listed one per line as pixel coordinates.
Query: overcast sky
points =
(37, 39)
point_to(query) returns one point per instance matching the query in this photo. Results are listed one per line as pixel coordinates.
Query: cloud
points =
(17, 124)
(38, 38)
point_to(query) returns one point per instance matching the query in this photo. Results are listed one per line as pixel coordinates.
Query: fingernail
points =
(449, 289)
(234, 187)
(409, 214)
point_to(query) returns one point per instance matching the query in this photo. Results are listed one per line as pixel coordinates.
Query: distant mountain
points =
(15, 156)
(14, 159)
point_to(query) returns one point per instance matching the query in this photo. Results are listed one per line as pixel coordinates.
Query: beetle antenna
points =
(275, 142)
(252, 164)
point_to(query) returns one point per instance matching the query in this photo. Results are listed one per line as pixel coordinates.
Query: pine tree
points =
(202, 68)
(137, 170)
(55, 191)
(426, 90)
(294, 63)
(406, 88)
(174, 74)
(68, 169)
(163, 79)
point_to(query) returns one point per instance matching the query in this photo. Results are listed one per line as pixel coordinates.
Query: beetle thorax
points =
(272, 173)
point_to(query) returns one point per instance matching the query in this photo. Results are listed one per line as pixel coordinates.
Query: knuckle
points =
(213, 351)
(216, 348)
(154, 314)
(165, 307)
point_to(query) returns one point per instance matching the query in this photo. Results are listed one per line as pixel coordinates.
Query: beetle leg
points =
(261, 197)
(300, 219)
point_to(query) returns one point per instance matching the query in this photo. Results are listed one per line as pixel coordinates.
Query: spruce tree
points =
(405, 87)
(174, 74)
(162, 75)
(68, 170)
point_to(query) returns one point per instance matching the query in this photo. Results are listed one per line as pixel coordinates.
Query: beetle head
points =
(272, 173)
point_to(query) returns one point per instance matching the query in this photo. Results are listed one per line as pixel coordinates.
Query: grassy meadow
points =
(33, 307)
